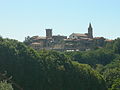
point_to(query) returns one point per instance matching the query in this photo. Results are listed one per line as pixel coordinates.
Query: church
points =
(81, 36)
(75, 41)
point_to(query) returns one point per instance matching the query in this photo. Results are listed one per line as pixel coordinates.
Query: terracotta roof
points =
(77, 39)
(59, 36)
(37, 37)
(108, 40)
(79, 34)
(42, 38)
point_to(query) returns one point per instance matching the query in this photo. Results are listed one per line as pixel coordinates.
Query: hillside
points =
(28, 69)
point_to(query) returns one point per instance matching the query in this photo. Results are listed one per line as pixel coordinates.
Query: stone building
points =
(75, 42)
(57, 39)
(78, 36)
(78, 44)
(48, 42)
(82, 36)
(48, 33)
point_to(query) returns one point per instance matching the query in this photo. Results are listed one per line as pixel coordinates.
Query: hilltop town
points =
(75, 41)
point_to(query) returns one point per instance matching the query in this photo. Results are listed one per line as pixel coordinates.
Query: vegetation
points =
(5, 86)
(51, 70)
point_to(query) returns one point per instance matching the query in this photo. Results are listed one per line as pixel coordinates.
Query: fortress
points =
(75, 42)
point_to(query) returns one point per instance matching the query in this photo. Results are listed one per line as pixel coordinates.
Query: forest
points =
(23, 68)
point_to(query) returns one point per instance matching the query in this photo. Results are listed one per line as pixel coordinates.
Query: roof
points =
(59, 36)
(42, 38)
(37, 37)
(79, 34)
(77, 39)
(108, 40)
(36, 43)
(99, 38)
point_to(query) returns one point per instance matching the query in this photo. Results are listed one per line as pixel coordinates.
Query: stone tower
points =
(48, 33)
(90, 31)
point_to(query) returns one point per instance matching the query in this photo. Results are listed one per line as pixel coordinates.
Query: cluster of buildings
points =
(75, 42)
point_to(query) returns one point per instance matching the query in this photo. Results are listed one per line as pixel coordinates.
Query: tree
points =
(116, 84)
(111, 73)
(46, 70)
(5, 86)
(116, 46)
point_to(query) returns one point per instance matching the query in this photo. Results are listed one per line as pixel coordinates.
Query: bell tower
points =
(90, 31)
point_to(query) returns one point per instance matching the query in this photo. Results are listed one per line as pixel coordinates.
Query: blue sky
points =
(21, 18)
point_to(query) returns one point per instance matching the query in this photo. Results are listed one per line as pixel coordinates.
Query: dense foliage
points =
(111, 73)
(5, 86)
(99, 56)
(51, 70)
(105, 60)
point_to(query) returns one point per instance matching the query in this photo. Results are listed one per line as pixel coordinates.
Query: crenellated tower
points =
(48, 33)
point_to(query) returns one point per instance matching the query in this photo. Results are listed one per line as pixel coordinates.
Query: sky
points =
(22, 18)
